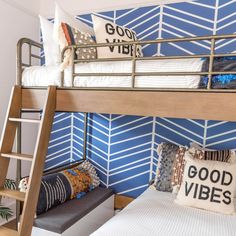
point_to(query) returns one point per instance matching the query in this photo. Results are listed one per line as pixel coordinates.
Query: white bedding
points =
(155, 213)
(50, 75)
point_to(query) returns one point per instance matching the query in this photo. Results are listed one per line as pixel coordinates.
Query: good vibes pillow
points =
(108, 32)
(208, 185)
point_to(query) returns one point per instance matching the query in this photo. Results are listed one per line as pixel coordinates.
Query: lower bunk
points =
(77, 216)
(156, 213)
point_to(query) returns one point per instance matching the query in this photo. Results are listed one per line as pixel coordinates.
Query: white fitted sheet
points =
(155, 213)
(50, 75)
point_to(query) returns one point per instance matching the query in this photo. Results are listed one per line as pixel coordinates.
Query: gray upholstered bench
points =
(78, 216)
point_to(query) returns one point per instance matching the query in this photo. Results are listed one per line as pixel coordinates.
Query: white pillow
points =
(63, 17)
(108, 32)
(51, 47)
(208, 185)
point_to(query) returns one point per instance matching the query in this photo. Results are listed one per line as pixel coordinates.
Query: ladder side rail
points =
(36, 172)
(9, 131)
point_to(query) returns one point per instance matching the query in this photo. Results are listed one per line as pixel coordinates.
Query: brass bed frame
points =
(209, 104)
(176, 103)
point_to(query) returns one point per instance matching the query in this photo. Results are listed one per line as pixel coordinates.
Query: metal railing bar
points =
(25, 65)
(134, 48)
(101, 74)
(154, 58)
(139, 89)
(211, 61)
(172, 40)
(35, 56)
(154, 73)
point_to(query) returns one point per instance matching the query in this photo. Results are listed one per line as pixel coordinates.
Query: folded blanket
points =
(225, 81)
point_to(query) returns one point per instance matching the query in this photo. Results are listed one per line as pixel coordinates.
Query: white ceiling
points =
(87, 6)
(46, 7)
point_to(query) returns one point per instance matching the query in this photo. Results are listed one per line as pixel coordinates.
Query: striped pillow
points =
(59, 187)
(220, 155)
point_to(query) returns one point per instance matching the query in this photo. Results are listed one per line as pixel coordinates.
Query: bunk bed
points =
(166, 102)
(191, 103)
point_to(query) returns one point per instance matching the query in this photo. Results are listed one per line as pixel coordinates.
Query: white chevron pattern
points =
(123, 148)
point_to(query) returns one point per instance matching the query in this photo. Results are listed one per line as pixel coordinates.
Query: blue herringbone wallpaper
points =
(123, 148)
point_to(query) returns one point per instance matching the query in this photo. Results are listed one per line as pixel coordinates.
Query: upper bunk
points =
(159, 97)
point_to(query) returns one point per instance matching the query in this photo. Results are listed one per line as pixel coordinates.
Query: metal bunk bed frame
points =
(176, 103)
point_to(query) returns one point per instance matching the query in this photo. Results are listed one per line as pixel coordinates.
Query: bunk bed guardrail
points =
(210, 73)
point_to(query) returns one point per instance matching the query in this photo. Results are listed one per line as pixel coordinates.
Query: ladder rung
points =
(25, 120)
(30, 110)
(24, 157)
(7, 232)
(15, 194)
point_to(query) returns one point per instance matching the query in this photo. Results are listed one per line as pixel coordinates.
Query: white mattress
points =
(155, 213)
(50, 75)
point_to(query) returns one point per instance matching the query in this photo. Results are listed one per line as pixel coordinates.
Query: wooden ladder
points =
(30, 198)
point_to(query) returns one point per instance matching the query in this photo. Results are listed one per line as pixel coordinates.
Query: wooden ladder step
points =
(15, 194)
(7, 232)
(25, 120)
(19, 156)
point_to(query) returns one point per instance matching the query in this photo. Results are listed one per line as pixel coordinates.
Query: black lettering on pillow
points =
(214, 195)
(203, 173)
(192, 171)
(215, 176)
(227, 195)
(195, 191)
(128, 33)
(138, 52)
(134, 35)
(119, 47)
(111, 47)
(109, 28)
(226, 178)
(204, 192)
(120, 31)
(188, 188)
(126, 49)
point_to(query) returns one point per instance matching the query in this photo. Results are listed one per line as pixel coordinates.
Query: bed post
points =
(18, 130)
(85, 136)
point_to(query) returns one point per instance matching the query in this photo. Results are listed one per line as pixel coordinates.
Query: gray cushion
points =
(65, 215)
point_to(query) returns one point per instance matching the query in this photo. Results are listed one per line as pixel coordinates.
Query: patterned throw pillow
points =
(167, 155)
(59, 187)
(208, 185)
(108, 32)
(92, 172)
(179, 165)
(71, 36)
(198, 153)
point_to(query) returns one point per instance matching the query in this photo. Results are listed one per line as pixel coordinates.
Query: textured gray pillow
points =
(167, 157)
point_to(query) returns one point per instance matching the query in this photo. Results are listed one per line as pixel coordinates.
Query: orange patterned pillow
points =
(178, 169)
